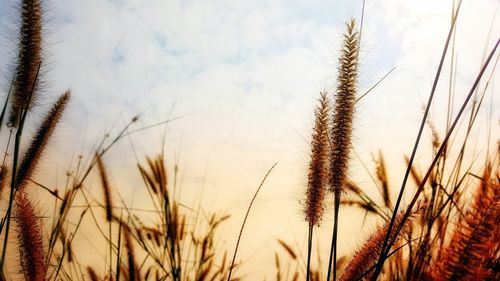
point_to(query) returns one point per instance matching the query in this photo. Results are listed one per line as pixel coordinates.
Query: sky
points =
(244, 76)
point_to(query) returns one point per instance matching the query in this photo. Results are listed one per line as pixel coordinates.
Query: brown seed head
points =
(30, 239)
(344, 109)
(106, 187)
(29, 58)
(318, 167)
(40, 140)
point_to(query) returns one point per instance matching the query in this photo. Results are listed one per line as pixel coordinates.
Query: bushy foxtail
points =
(30, 239)
(40, 140)
(318, 174)
(29, 59)
(345, 99)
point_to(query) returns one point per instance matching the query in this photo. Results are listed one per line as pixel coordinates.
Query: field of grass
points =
(449, 230)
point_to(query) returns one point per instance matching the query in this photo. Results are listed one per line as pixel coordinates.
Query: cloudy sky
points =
(245, 76)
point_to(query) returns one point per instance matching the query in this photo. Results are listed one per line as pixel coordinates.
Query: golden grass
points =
(449, 236)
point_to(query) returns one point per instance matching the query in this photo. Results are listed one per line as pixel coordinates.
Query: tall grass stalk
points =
(13, 184)
(415, 147)
(436, 158)
(318, 174)
(231, 266)
(341, 132)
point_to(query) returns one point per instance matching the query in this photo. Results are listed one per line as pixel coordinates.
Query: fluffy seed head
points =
(28, 60)
(30, 239)
(344, 108)
(106, 187)
(40, 140)
(318, 167)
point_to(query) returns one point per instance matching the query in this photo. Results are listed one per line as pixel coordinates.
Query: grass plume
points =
(106, 187)
(40, 140)
(318, 167)
(318, 174)
(341, 133)
(133, 269)
(28, 59)
(30, 239)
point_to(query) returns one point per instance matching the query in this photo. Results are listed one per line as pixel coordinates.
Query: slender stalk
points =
(245, 220)
(318, 173)
(13, 184)
(436, 158)
(309, 250)
(333, 248)
(110, 251)
(118, 257)
(341, 132)
(382, 256)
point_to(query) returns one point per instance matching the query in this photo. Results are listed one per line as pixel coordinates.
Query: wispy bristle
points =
(28, 60)
(318, 167)
(344, 108)
(30, 239)
(40, 140)
(106, 187)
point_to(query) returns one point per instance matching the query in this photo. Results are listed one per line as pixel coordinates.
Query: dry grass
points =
(452, 234)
